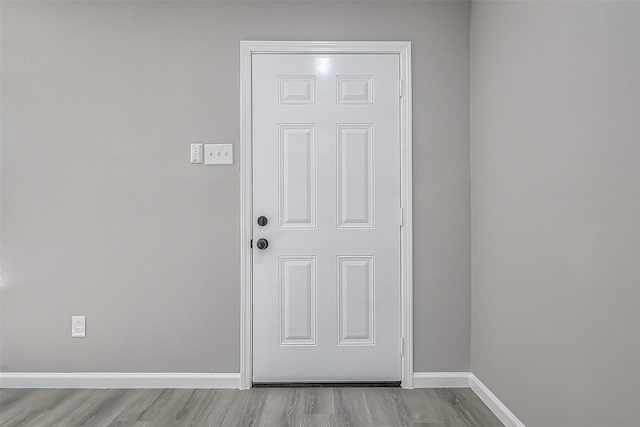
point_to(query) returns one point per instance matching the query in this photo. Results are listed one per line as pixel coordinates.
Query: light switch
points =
(196, 153)
(218, 154)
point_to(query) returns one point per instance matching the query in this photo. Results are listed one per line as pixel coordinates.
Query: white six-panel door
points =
(326, 176)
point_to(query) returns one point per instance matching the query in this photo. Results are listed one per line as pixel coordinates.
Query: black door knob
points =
(262, 244)
(262, 221)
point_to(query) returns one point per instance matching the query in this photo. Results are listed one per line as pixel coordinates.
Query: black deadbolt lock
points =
(262, 221)
(262, 244)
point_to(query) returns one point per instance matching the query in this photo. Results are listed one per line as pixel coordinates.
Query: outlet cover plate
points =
(218, 154)
(78, 326)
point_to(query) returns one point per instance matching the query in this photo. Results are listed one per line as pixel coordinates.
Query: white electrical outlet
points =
(196, 153)
(78, 326)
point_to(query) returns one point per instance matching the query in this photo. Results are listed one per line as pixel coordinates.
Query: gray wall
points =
(556, 209)
(103, 215)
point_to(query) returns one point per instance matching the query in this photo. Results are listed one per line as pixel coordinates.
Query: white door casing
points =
(329, 166)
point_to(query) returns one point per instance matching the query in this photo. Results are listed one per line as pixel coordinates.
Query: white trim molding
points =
(440, 379)
(403, 50)
(118, 380)
(468, 380)
(232, 381)
(497, 407)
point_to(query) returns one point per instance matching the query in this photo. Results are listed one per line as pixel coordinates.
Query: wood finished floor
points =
(256, 407)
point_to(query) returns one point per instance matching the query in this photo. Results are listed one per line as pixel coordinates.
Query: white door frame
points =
(247, 49)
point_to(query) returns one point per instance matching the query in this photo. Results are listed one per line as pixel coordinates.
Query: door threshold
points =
(373, 384)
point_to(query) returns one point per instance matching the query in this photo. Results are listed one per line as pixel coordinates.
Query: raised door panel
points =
(297, 305)
(297, 89)
(356, 300)
(297, 171)
(354, 89)
(355, 176)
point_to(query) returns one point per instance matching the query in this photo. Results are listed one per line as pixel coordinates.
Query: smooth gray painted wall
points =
(103, 215)
(556, 209)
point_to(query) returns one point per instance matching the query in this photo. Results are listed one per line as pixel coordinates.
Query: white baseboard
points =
(497, 407)
(440, 379)
(465, 380)
(232, 381)
(117, 380)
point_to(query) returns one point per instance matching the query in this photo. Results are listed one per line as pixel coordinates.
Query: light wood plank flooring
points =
(256, 407)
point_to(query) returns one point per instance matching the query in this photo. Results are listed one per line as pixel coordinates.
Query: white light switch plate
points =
(78, 326)
(218, 154)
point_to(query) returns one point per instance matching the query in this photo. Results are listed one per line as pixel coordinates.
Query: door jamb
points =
(249, 48)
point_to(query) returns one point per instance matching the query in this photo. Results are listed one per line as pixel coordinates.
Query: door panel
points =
(355, 175)
(297, 171)
(356, 300)
(326, 174)
(297, 286)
